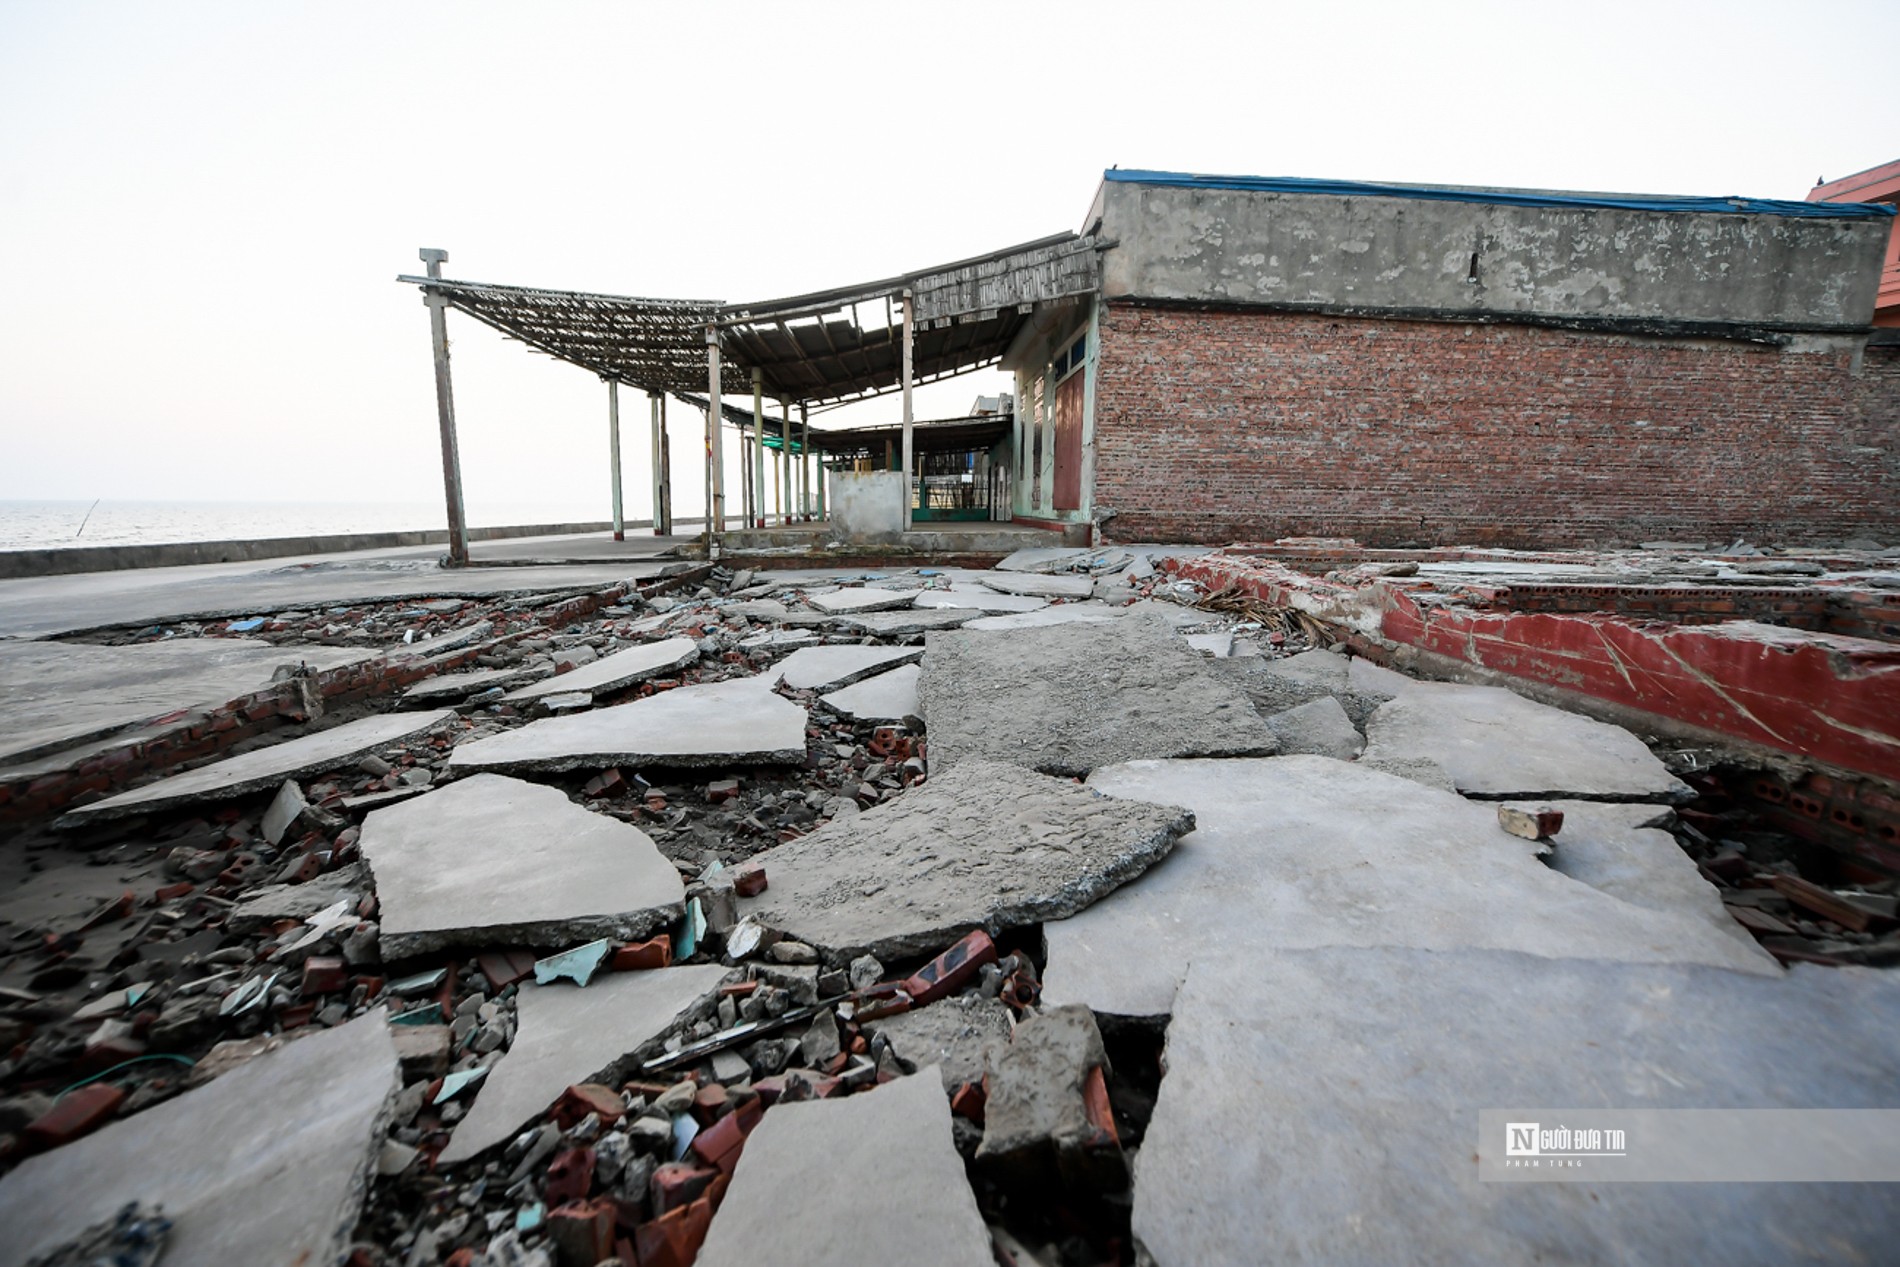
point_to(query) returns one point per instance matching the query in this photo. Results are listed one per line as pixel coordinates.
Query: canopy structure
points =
(814, 350)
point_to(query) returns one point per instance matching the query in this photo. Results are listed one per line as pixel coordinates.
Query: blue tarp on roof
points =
(1507, 197)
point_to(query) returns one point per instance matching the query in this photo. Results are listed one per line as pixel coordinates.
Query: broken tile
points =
(735, 722)
(828, 668)
(564, 1036)
(617, 671)
(263, 768)
(1308, 851)
(811, 1171)
(1501, 746)
(1068, 699)
(983, 845)
(266, 1164)
(1343, 1086)
(490, 860)
(887, 697)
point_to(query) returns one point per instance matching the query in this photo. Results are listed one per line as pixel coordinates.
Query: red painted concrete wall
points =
(1876, 184)
(1233, 426)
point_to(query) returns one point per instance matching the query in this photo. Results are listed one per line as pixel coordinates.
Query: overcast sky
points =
(203, 206)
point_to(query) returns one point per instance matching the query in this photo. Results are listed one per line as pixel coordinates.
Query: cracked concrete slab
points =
(735, 722)
(987, 601)
(1066, 614)
(1497, 745)
(459, 686)
(1343, 1086)
(982, 845)
(903, 624)
(887, 697)
(1039, 585)
(871, 1178)
(489, 860)
(866, 599)
(1320, 728)
(268, 1163)
(1307, 851)
(1043, 558)
(59, 694)
(617, 671)
(567, 1034)
(1067, 699)
(961, 1035)
(828, 668)
(263, 768)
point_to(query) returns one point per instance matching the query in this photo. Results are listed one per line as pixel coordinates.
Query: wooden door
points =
(1068, 481)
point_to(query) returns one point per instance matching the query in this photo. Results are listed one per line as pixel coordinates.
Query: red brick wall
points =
(1223, 426)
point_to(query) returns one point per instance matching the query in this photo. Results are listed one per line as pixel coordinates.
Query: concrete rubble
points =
(829, 668)
(982, 845)
(491, 860)
(1081, 696)
(268, 1163)
(887, 697)
(616, 672)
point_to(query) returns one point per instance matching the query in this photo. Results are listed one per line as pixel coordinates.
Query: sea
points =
(53, 524)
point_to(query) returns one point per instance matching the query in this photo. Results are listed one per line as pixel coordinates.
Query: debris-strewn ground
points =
(141, 957)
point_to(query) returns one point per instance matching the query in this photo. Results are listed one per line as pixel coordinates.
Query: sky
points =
(203, 206)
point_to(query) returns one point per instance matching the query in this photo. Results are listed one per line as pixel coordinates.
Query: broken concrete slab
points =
(565, 1035)
(1307, 851)
(735, 722)
(268, 1163)
(887, 697)
(1417, 769)
(617, 671)
(1039, 586)
(489, 861)
(981, 845)
(870, 1178)
(904, 623)
(1343, 1087)
(1043, 559)
(262, 768)
(960, 1035)
(777, 640)
(449, 641)
(1320, 728)
(1620, 850)
(1067, 699)
(1066, 614)
(1037, 1129)
(828, 668)
(457, 686)
(1219, 644)
(987, 601)
(275, 903)
(1500, 746)
(861, 599)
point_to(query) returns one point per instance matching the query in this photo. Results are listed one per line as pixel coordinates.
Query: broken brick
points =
(504, 968)
(588, 1097)
(1539, 824)
(324, 974)
(967, 1102)
(678, 1183)
(570, 1175)
(657, 952)
(607, 783)
(749, 880)
(77, 1113)
(674, 1238)
(582, 1232)
(950, 971)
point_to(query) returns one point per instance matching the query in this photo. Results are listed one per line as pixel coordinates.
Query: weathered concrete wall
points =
(1218, 427)
(866, 506)
(1416, 257)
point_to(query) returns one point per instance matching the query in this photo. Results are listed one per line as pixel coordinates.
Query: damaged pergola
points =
(813, 351)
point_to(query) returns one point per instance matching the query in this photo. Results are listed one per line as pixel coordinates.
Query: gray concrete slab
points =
(961, 1035)
(262, 768)
(459, 686)
(871, 1178)
(1501, 746)
(887, 697)
(861, 599)
(735, 722)
(1619, 849)
(1043, 559)
(982, 845)
(491, 861)
(1306, 851)
(828, 668)
(1067, 699)
(617, 671)
(566, 1034)
(38, 606)
(1343, 1088)
(904, 624)
(984, 599)
(1320, 728)
(1043, 617)
(59, 694)
(449, 641)
(1219, 644)
(778, 640)
(268, 1163)
(1038, 585)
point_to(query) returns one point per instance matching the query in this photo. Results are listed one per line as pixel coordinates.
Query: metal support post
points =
(613, 450)
(438, 305)
(657, 405)
(758, 449)
(910, 323)
(715, 445)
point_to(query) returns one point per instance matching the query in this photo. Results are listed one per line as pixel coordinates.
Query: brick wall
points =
(1234, 426)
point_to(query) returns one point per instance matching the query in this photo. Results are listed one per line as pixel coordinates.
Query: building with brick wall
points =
(1412, 366)
(1876, 184)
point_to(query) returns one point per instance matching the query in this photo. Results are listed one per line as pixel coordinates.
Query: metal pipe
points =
(438, 305)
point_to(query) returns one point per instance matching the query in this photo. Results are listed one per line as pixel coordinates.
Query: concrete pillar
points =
(613, 450)
(758, 449)
(438, 306)
(804, 461)
(785, 456)
(910, 323)
(715, 445)
(662, 523)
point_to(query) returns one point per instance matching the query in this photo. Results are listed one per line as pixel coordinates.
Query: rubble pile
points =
(807, 916)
